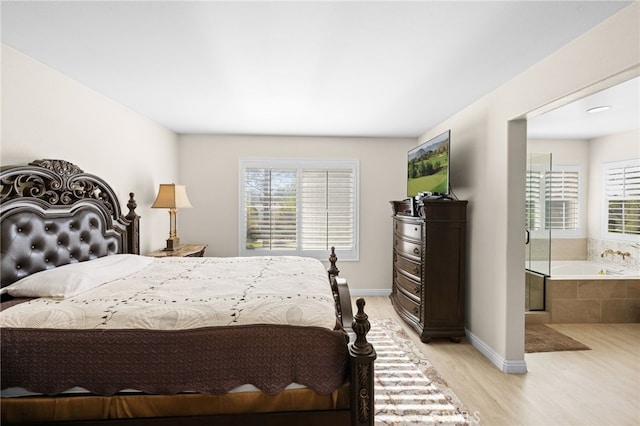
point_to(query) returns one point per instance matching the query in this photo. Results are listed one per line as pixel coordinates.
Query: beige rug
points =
(408, 389)
(541, 338)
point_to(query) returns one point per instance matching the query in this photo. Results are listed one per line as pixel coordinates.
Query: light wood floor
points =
(596, 387)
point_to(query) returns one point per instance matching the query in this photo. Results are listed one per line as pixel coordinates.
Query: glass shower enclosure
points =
(537, 235)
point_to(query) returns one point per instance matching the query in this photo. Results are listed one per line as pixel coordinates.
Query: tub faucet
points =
(607, 251)
(623, 254)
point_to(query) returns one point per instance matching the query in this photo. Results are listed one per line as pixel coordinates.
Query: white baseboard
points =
(357, 292)
(505, 365)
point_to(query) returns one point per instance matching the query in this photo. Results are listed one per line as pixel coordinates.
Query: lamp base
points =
(172, 244)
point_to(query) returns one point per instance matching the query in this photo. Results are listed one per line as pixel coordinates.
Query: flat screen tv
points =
(428, 167)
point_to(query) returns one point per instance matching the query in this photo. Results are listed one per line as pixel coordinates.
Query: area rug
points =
(408, 389)
(541, 338)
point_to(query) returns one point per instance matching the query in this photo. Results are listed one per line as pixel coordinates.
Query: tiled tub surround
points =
(593, 299)
(574, 297)
(577, 292)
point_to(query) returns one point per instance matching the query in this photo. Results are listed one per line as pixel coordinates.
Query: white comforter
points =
(182, 293)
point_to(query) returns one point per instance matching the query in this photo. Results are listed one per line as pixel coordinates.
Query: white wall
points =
(488, 162)
(564, 151)
(209, 168)
(48, 115)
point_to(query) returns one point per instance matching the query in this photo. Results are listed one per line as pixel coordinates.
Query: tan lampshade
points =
(171, 196)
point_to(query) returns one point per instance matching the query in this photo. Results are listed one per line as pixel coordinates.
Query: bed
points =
(93, 332)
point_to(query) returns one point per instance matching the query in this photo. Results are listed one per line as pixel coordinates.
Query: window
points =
(622, 200)
(299, 207)
(554, 201)
(533, 207)
(561, 199)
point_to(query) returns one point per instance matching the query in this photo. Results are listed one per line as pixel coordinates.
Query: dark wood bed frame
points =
(53, 213)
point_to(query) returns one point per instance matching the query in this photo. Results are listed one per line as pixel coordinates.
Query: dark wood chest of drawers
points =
(428, 268)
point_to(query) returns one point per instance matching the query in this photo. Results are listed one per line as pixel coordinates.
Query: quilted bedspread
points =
(186, 293)
(182, 324)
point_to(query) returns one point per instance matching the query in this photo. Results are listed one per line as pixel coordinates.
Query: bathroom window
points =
(555, 202)
(622, 200)
(533, 207)
(562, 198)
(299, 207)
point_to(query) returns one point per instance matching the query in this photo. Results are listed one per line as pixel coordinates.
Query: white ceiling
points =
(574, 121)
(342, 68)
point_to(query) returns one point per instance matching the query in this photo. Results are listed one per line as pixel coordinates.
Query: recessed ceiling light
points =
(599, 108)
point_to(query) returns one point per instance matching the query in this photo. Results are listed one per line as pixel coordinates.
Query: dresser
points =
(429, 267)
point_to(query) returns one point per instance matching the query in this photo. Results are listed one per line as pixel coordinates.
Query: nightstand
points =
(185, 250)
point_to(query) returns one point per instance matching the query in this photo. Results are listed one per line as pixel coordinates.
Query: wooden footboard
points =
(361, 353)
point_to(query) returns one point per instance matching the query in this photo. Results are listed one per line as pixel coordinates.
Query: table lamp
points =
(172, 197)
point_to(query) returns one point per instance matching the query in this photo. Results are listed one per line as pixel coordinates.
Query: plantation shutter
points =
(270, 208)
(327, 209)
(561, 200)
(622, 191)
(299, 207)
(533, 197)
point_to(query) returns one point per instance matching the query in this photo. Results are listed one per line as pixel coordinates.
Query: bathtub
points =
(580, 291)
(584, 269)
(581, 269)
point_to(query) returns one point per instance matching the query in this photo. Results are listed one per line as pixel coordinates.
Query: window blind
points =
(303, 207)
(327, 209)
(533, 197)
(561, 200)
(622, 192)
(270, 208)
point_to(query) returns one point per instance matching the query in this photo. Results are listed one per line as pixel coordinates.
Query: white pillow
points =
(75, 278)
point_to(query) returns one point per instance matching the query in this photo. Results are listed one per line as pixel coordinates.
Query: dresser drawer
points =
(409, 267)
(408, 229)
(407, 247)
(409, 286)
(408, 305)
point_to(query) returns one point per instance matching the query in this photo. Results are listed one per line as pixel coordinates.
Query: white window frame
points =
(604, 221)
(299, 164)
(542, 207)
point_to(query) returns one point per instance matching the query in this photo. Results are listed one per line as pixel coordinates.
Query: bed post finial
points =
(333, 269)
(131, 205)
(362, 357)
(133, 228)
(361, 327)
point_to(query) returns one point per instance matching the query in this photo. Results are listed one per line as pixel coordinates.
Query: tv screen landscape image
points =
(428, 167)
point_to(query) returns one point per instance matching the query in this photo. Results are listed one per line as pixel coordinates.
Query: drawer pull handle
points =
(416, 250)
(416, 291)
(416, 270)
(415, 310)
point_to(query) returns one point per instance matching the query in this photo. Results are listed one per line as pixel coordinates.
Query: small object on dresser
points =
(404, 207)
(185, 250)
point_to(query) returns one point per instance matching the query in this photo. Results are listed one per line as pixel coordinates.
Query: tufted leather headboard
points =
(52, 214)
